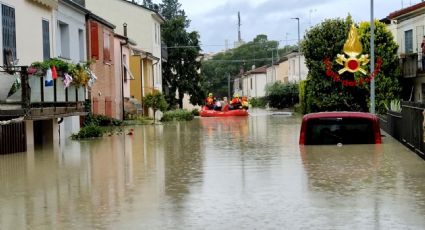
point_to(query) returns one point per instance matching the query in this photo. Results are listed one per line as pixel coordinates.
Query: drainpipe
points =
(153, 74)
(122, 69)
(142, 63)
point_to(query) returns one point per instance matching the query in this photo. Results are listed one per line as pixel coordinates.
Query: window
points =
(330, 131)
(340, 127)
(408, 41)
(81, 44)
(94, 40)
(46, 39)
(106, 46)
(64, 40)
(9, 33)
(250, 83)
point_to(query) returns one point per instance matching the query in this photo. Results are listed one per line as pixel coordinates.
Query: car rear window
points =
(328, 131)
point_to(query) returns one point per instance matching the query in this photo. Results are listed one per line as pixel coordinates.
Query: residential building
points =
(122, 46)
(71, 46)
(283, 70)
(32, 20)
(36, 30)
(407, 26)
(105, 92)
(144, 26)
(254, 82)
(297, 69)
(271, 73)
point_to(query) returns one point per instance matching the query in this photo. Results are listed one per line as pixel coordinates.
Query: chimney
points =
(125, 29)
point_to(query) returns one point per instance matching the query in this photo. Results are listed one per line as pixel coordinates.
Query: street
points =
(213, 173)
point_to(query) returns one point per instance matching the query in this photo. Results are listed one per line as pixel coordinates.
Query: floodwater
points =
(213, 173)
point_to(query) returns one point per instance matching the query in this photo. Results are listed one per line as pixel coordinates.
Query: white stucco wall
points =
(257, 89)
(141, 27)
(76, 21)
(416, 24)
(125, 87)
(398, 27)
(29, 39)
(271, 75)
(293, 68)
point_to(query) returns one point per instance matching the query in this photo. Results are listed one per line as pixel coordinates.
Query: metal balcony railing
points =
(409, 64)
(23, 94)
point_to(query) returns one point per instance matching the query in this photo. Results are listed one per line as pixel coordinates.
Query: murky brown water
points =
(213, 173)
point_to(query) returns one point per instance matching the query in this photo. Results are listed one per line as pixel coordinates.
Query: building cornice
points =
(49, 3)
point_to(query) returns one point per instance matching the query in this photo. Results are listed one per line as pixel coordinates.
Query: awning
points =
(144, 54)
(49, 3)
(128, 71)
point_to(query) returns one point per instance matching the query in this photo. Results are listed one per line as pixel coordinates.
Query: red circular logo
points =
(353, 64)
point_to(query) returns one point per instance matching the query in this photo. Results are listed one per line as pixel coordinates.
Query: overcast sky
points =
(216, 20)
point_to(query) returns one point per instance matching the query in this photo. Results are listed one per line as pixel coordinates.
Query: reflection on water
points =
(213, 173)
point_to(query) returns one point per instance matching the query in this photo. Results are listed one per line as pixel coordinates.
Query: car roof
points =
(339, 114)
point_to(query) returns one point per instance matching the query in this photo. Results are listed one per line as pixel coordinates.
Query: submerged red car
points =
(330, 128)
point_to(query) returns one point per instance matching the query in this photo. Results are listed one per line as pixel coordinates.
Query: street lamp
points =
(299, 49)
(372, 59)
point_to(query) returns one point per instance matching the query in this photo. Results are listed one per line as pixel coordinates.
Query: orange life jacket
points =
(210, 100)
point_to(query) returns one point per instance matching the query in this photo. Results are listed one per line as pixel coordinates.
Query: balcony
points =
(409, 65)
(32, 99)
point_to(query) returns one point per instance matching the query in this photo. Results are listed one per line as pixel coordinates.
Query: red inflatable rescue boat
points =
(206, 112)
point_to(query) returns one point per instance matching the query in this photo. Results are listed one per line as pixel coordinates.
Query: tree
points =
(326, 40)
(258, 52)
(155, 101)
(181, 71)
(149, 4)
(388, 79)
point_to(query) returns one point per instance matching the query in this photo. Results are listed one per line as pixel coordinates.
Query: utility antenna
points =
(239, 27)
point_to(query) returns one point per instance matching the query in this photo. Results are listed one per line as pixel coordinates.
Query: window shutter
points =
(94, 38)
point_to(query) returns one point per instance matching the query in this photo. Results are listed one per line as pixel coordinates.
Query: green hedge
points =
(89, 131)
(102, 120)
(259, 102)
(177, 115)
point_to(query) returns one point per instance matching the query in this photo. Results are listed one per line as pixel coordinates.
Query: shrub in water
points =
(178, 115)
(89, 131)
(259, 102)
(195, 112)
(102, 120)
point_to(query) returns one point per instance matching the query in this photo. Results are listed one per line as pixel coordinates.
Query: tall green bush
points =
(326, 40)
(156, 101)
(177, 115)
(302, 102)
(280, 95)
(258, 102)
(388, 79)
